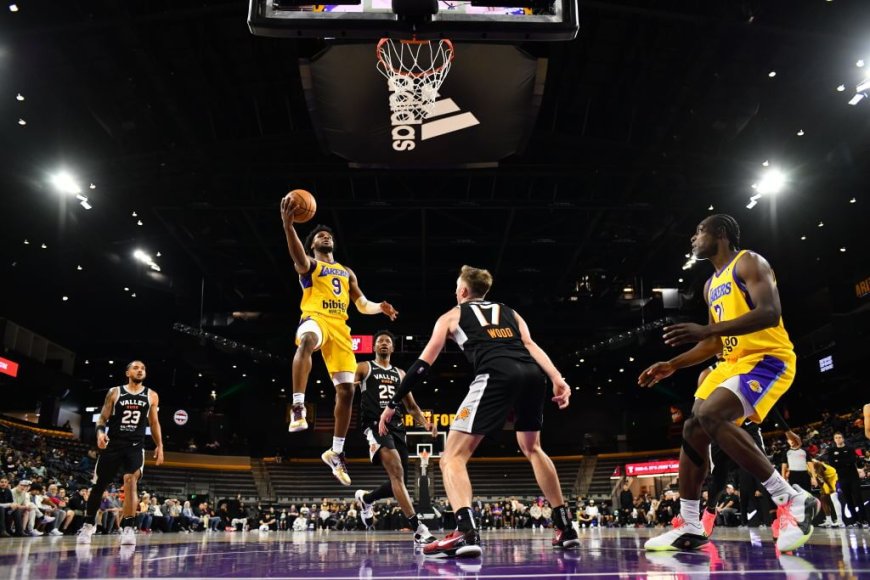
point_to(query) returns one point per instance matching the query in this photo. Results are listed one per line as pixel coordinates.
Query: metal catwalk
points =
(507, 554)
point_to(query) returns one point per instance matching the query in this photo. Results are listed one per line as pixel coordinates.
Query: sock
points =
(414, 521)
(383, 491)
(91, 520)
(838, 508)
(298, 398)
(778, 488)
(560, 517)
(338, 444)
(689, 511)
(464, 519)
(128, 522)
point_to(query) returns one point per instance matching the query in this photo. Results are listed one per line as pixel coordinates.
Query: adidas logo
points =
(436, 123)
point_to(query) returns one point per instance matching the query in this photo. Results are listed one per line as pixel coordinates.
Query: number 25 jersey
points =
(729, 298)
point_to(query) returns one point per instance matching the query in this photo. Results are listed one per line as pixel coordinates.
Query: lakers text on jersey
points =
(326, 290)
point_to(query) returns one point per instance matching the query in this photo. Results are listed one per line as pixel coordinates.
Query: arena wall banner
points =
(484, 112)
(669, 467)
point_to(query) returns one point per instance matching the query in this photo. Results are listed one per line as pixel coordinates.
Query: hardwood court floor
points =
(507, 554)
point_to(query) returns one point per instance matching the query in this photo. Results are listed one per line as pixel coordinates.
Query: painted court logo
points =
(442, 118)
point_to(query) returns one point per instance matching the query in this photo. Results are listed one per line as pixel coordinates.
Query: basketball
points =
(307, 205)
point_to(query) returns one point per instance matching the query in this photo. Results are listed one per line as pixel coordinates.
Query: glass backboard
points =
(369, 19)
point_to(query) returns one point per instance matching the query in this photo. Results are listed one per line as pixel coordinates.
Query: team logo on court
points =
(463, 414)
(755, 386)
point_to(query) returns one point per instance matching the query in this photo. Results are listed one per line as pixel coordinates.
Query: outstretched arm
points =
(416, 412)
(364, 305)
(154, 421)
(420, 368)
(302, 262)
(757, 274)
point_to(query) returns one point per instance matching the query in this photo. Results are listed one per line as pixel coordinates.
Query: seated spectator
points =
(726, 508)
(189, 520)
(9, 513)
(268, 520)
(144, 515)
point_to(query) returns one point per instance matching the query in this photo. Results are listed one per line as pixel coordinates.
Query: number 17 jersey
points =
(488, 331)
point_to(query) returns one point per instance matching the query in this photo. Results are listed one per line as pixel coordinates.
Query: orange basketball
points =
(307, 205)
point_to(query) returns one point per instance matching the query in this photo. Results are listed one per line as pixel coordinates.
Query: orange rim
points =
(383, 41)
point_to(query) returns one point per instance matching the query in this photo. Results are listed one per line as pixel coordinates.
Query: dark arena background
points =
(570, 147)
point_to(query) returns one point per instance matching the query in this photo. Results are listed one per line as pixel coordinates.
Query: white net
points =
(415, 70)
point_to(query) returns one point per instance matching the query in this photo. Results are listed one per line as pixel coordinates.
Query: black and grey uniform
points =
(505, 374)
(126, 431)
(376, 390)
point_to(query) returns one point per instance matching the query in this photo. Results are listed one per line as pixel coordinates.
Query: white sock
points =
(298, 398)
(689, 511)
(338, 444)
(838, 509)
(778, 488)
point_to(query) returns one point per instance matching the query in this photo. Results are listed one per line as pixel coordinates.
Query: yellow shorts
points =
(759, 379)
(333, 342)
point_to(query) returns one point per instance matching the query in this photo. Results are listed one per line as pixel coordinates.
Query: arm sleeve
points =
(415, 374)
(365, 307)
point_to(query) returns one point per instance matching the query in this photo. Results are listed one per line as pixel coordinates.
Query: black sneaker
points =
(565, 539)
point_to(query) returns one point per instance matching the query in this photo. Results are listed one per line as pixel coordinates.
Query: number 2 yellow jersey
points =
(325, 290)
(729, 299)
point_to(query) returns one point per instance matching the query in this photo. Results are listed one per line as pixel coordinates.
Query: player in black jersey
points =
(121, 436)
(378, 381)
(510, 374)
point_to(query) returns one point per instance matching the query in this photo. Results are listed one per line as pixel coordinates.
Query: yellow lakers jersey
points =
(829, 474)
(326, 290)
(728, 299)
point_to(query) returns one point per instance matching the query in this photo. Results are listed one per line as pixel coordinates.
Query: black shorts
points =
(129, 458)
(392, 440)
(506, 384)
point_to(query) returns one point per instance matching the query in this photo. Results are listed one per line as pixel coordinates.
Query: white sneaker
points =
(35, 533)
(55, 532)
(298, 423)
(128, 536)
(796, 520)
(366, 513)
(85, 533)
(337, 463)
(423, 536)
(683, 536)
(47, 519)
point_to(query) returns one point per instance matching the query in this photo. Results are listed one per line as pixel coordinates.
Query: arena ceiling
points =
(177, 114)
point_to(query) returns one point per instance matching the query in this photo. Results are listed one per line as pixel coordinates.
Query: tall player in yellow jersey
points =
(745, 326)
(328, 288)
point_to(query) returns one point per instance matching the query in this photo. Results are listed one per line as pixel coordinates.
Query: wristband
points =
(101, 429)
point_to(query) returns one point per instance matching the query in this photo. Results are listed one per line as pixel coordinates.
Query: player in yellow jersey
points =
(328, 288)
(745, 326)
(824, 477)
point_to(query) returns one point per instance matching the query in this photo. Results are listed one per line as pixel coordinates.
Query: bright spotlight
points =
(65, 183)
(141, 256)
(856, 99)
(771, 182)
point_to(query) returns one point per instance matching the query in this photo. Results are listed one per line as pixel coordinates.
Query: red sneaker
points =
(565, 539)
(708, 522)
(455, 544)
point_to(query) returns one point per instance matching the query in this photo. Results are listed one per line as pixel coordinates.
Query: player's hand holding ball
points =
(298, 206)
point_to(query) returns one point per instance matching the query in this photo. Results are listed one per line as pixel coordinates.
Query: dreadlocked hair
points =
(729, 226)
(310, 237)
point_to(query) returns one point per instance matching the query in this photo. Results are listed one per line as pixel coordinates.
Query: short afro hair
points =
(310, 237)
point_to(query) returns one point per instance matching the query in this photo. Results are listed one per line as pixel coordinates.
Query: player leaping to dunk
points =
(327, 290)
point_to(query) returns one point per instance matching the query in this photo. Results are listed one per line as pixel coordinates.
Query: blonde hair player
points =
(328, 288)
(511, 373)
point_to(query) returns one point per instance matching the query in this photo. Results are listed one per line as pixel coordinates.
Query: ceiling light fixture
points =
(800, 133)
(19, 97)
(13, 8)
(22, 122)
(841, 88)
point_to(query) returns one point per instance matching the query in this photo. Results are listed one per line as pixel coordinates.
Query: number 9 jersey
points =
(325, 290)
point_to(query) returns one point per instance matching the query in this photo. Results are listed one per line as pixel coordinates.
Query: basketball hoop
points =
(415, 70)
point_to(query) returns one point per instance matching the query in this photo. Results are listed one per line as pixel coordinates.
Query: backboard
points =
(545, 20)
